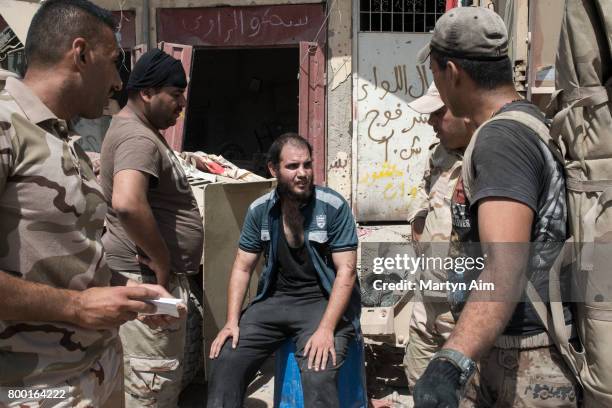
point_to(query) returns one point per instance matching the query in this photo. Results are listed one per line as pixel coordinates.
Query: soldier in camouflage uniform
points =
(58, 319)
(430, 218)
(508, 206)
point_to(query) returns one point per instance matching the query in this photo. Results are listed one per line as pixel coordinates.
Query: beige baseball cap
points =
(476, 33)
(428, 103)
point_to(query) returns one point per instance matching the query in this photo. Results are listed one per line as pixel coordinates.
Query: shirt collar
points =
(276, 199)
(36, 111)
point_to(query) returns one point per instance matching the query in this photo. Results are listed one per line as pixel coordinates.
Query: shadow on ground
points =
(260, 393)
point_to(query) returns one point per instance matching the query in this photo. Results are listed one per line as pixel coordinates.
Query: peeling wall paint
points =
(340, 43)
(138, 6)
(154, 4)
(271, 26)
(392, 139)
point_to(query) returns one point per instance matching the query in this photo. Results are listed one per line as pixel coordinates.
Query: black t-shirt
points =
(510, 160)
(296, 274)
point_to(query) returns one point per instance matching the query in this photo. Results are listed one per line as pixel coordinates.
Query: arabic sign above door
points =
(392, 140)
(240, 26)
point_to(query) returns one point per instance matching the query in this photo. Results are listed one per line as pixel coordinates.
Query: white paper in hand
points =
(167, 306)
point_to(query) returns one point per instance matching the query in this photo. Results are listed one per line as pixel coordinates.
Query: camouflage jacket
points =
(51, 217)
(432, 200)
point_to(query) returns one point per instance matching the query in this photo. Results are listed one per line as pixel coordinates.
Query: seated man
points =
(307, 290)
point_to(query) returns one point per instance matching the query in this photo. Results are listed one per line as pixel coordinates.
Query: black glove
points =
(438, 387)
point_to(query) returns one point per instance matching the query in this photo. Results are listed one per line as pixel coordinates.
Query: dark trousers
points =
(263, 328)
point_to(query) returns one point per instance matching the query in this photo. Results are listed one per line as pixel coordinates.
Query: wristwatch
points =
(466, 365)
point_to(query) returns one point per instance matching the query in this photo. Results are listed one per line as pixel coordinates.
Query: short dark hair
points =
(485, 74)
(277, 146)
(58, 22)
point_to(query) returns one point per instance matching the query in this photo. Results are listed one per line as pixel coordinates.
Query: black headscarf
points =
(156, 69)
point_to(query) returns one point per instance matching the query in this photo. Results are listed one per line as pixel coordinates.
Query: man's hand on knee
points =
(438, 387)
(229, 330)
(318, 348)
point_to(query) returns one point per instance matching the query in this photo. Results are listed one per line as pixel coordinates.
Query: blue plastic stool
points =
(351, 378)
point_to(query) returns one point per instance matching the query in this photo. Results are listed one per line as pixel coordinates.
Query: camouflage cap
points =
(428, 103)
(469, 32)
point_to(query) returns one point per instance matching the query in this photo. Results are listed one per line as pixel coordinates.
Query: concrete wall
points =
(339, 98)
(392, 140)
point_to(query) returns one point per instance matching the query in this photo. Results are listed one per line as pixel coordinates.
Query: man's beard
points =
(285, 192)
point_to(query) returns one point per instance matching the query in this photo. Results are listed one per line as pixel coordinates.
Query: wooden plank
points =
(312, 104)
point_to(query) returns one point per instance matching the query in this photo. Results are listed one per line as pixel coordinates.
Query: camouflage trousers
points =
(152, 358)
(100, 386)
(531, 378)
(430, 325)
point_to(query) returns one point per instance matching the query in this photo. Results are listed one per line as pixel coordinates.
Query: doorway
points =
(240, 101)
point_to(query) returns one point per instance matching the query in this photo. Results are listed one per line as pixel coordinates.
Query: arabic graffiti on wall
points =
(274, 25)
(392, 139)
(339, 173)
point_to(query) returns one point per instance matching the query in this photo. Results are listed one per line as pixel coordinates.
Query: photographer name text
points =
(403, 285)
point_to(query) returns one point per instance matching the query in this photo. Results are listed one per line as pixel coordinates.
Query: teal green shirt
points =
(329, 227)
